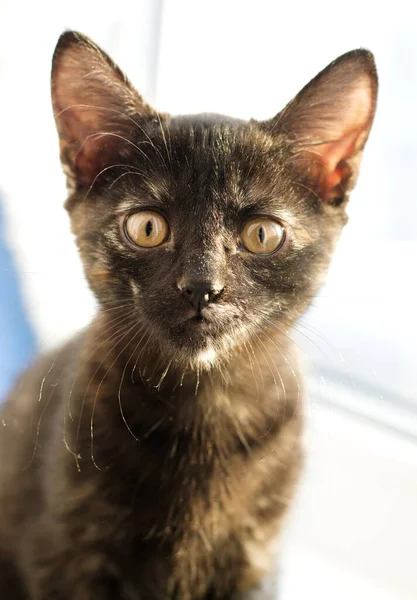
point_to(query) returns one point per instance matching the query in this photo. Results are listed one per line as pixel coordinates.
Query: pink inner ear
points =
(82, 140)
(94, 106)
(330, 162)
(346, 124)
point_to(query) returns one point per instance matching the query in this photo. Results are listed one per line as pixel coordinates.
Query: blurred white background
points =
(353, 533)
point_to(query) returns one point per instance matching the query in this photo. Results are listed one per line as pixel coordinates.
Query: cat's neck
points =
(123, 403)
(256, 389)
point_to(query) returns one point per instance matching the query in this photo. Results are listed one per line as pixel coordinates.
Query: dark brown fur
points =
(133, 465)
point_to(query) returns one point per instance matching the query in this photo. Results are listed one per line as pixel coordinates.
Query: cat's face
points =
(208, 230)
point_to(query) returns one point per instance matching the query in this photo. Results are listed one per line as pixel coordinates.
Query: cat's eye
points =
(146, 228)
(262, 235)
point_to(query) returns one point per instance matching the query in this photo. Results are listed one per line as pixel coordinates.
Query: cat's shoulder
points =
(48, 372)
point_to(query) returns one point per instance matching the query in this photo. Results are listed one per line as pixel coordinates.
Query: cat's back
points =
(25, 426)
(36, 394)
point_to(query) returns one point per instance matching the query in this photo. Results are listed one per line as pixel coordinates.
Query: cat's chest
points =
(199, 482)
(192, 494)
(186, 504)
(190, 530)
(179, 487)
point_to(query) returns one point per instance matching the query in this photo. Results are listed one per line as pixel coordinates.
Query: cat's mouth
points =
(195, 329)
(211, 329)
(202, 319)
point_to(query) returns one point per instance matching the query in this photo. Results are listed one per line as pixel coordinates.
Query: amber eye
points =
(262, 235)
(146, 228)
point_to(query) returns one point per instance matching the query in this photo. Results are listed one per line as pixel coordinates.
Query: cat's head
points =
(206, 230)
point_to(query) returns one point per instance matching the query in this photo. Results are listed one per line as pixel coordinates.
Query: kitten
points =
(155, 455)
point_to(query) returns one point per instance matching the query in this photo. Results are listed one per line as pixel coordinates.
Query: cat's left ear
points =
(96, 109)
(328, 123)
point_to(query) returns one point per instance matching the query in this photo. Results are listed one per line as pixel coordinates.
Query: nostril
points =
(189, 292)
(216, 292)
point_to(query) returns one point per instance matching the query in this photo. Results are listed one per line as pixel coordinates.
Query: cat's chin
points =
(206, 359)
(196, 349)
(195, 343)
(199, 348)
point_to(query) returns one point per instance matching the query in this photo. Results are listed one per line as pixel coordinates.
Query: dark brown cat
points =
(155, 455)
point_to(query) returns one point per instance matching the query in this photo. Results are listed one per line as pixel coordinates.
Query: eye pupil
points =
(148, 228)
(261, 234)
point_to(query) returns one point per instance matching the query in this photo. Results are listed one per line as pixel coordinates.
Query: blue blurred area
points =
(17, 340)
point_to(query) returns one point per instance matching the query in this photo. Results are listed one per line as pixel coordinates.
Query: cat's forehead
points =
(205, 120)
(212, 157)
(219, 136)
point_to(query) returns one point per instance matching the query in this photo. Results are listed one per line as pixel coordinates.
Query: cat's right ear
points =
(96, 108)
(327, 124)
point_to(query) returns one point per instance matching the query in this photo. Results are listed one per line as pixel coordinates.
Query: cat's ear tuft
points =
(96, 109)
(328, 123)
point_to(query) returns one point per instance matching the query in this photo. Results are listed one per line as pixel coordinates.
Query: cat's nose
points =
(199, 293)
